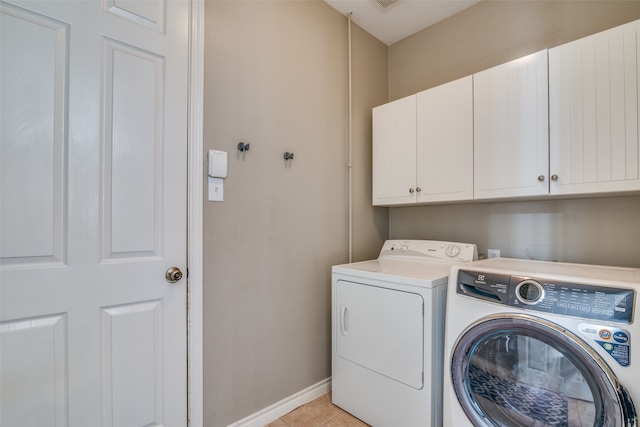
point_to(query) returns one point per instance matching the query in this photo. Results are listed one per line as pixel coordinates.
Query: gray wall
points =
(590, 230)
(276, 77)
(493, 32)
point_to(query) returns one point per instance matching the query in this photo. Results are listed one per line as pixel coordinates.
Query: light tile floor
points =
(318, 413)
(322, 413)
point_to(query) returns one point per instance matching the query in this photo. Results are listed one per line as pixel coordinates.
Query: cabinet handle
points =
(554, 177)
(540, 178)
(411, 190)
(418, 189)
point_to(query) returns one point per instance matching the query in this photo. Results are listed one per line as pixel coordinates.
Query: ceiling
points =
(393, 20)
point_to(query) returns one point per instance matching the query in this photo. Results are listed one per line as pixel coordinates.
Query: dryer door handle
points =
(344, 319)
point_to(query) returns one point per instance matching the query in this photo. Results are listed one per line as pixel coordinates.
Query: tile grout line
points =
(331, 418)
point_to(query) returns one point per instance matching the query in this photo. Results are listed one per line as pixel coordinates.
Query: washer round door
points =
(519, 370)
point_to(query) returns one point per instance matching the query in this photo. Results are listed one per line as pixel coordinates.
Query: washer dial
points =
(529, 292)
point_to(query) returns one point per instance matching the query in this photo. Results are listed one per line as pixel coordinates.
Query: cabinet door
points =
(593, 98)
(394, 152)
(511, 129)
(445, 142)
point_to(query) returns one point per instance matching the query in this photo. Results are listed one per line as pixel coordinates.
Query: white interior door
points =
(93, 212)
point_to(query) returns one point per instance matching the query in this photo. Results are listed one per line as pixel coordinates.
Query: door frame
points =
(195, 170)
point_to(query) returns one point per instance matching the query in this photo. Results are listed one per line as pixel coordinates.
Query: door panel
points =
(36, 348)
(382, 330)
(131, 338)
(445, 142)
(148, 13)
(93, 212)
(33, 139)
(133, 150)
(594, 112)
(511, 128)
(394, 152)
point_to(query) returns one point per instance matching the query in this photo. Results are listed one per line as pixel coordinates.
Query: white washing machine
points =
(388, 330)
(533, 343)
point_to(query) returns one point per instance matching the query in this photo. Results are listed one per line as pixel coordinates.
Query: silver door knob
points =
(411, 190)
(554, 177)
(173, 275)
(540, 178)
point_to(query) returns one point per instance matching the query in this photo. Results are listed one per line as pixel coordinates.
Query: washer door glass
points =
(520, 370)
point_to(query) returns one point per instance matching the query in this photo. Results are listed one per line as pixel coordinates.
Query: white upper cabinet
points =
(594, 113)
(511, 129)
(394, 152)
(560, 122)
(423, 146)
(444, 152)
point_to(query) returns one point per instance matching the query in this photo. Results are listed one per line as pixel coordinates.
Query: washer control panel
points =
(587, 301)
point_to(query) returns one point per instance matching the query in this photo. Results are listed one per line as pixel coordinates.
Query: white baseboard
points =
(278, 409)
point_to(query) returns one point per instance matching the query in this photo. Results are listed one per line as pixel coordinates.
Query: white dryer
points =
(388, 330)
(534, 343)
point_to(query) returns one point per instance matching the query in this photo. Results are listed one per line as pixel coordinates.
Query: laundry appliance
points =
(388, 329)
(535, 343)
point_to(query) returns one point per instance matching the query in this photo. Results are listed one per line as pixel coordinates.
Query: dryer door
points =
(381, 330)
(519, 370)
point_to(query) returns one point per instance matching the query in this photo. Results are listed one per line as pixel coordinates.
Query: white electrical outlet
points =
(493, 253)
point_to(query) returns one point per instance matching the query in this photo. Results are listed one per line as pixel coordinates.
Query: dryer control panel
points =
(587, 301)
(425, 250)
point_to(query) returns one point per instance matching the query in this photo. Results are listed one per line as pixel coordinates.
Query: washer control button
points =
(529, 292)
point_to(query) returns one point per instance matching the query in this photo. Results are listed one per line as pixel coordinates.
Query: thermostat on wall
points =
(217, 164)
